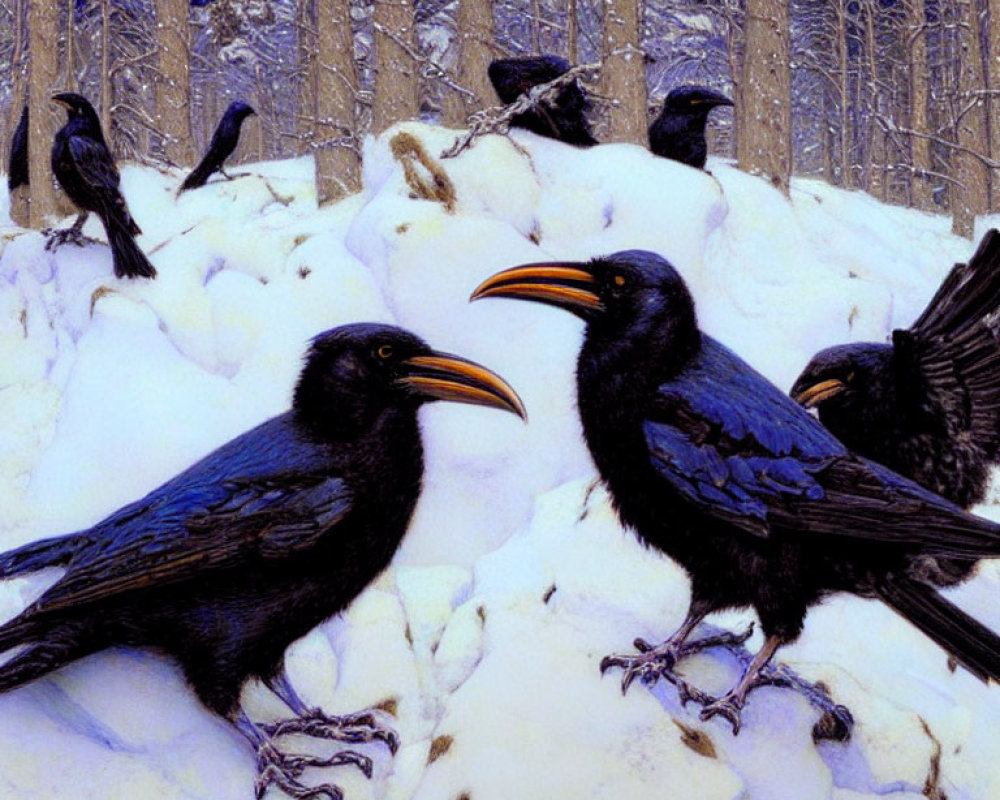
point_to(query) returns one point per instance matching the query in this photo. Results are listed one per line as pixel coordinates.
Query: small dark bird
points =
(679, 131)
(563, 118)
(226, 564)
(224, 141)
(17, 167)
(85, 168)
(928, 404)
(715, 466)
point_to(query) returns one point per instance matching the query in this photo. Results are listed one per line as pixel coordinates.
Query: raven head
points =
(355, 373)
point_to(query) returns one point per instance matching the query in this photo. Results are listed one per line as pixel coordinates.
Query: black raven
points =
(230, 561)
(928, 404)
(17, 167)
(678, 132)
(85, 168)
(563, 118)
(715, 466)
(224, 141)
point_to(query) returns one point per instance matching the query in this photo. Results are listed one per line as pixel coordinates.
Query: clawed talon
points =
(728, 707)
(58, 237)
(283, 770)
(358, 728)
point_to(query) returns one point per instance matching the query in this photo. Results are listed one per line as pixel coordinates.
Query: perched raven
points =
(563, 118)
(84, 167)
(716, 467)
(224, 141)
(17, 167)
(229, 562)
(928, 404)
(679, 131)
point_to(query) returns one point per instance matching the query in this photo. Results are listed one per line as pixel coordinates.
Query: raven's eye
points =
(850, 376)
(385, 351)
(619, 279)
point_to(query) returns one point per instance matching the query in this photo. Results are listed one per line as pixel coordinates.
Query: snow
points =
(515, 578)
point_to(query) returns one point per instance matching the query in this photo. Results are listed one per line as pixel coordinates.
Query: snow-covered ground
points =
(515, 578)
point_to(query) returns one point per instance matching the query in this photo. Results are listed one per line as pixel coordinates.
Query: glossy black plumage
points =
(927, 404)
(86, 170)
(226, 564)
(224, 141)
(678, 132)
(716, 467)
(563, 118)
(17, 165)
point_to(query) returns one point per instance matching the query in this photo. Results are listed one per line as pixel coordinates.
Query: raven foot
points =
(653, 663)
(283, 770)
(56, 238)
(358, 728)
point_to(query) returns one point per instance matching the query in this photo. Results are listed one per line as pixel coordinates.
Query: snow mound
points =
(515, 577)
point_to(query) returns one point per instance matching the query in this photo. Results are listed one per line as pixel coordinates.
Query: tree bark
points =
(45, 118)
(20, 206)
(306, 122)
(971, 190)
(993, 78)
(338, 164)
(173, 84)
(764, 119)
(920, 147)
(397, 77)
(623, 74)
(474, 31)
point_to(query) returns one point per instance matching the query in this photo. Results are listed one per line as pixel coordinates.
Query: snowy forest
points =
(895, 97)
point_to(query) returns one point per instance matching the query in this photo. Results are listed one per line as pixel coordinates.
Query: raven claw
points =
(728, 707)
(56, 238)
(283, 770)
(357, 728)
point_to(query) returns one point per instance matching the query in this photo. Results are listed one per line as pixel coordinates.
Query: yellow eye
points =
(385, 351)
(619, 280)
(850, 376)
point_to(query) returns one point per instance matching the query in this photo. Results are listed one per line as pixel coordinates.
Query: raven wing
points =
(953, 349)
(96, 168)
(266, 495)
(733, 445)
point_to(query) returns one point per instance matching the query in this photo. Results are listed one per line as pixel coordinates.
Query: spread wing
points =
(738, 449)
(267, 495)
(954, 346)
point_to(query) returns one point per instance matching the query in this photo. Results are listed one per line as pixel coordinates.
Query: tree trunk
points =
(474, 31)
(844, 97)
(397, 76)
(764, 119)
(173, 84)
(623, 74)
(45, 118)
(920, 147)
(338, 164)
(107, 90)
(572, 31)
(306, 123)
(993, 78)
(971, 192)
(875, 150)
(20, 207)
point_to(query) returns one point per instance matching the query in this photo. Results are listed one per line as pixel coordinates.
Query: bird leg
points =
(731, 704)
(358, 728)
(225, 174)
(283, 769)
(70, 235)
(655, 662)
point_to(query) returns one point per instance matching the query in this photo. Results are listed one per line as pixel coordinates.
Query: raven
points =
(928, 404)
(230, 561)
(224, 141)
(563, 118)
(678, 132)
(759, 503)
(85, 168)
(17, 168)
